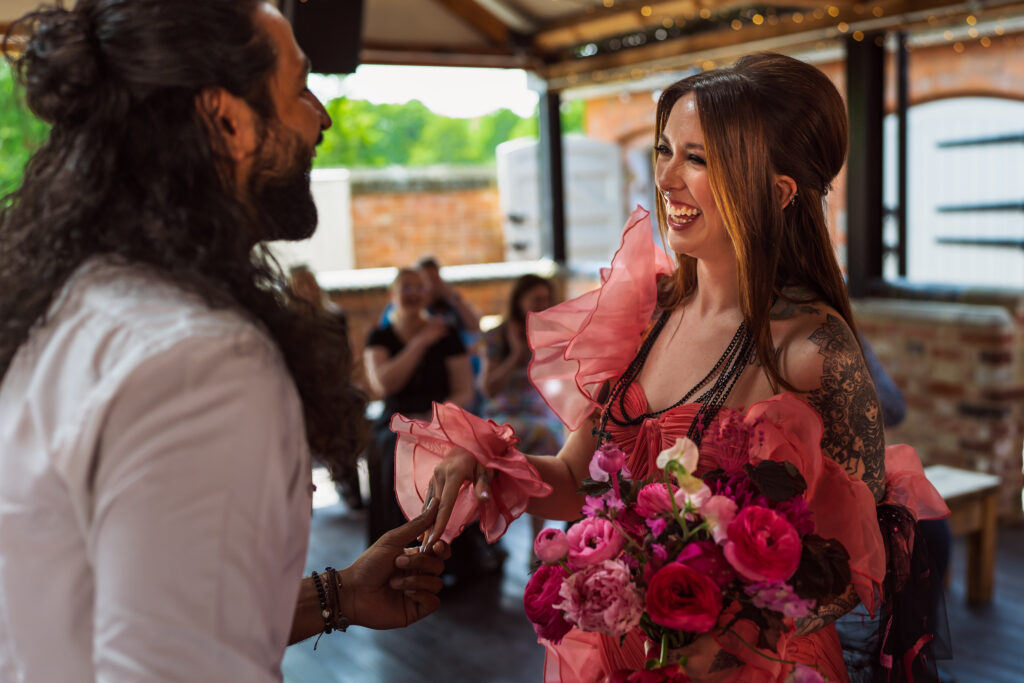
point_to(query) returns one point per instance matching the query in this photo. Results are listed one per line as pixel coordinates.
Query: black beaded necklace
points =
(726, 372)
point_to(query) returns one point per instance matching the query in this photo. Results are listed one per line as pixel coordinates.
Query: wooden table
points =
(971, 497)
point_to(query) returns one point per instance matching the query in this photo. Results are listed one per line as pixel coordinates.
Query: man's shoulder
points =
(129, 312)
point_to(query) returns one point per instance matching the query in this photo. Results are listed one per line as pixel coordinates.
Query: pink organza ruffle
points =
(582, 343)
(906, 484)
(843, 506)
(423, 445)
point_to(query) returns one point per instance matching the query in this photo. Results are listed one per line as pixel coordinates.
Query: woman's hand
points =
(432, 332)
(458, 467)
(390, 585)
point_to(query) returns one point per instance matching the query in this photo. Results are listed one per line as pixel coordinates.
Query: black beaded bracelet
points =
(325, 608)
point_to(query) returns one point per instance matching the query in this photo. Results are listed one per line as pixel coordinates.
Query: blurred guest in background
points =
(414, 360)
(510, 398)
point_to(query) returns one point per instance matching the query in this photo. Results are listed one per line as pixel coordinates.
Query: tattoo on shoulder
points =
(793, 302)
(784, 310)
(848, 405)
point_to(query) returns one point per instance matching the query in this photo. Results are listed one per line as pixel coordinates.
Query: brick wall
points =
(961, 370)
(448, 213)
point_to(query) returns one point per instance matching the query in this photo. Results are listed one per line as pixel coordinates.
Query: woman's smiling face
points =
(694, 225)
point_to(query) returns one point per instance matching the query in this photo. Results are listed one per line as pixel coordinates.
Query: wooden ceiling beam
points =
(444, 56)
(626, 17)
(726, 43)
(479, 19)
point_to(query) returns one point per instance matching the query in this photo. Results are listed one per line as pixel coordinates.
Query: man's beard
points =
(279, 188)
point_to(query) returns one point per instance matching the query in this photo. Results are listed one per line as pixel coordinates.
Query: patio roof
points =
(575, 42)
(570, 43)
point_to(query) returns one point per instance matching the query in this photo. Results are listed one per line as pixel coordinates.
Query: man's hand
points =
(391, 586)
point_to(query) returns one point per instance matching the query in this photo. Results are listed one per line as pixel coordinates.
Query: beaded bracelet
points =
(325, 607)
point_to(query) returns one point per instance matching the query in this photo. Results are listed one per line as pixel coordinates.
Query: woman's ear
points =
(230, 121)
(785, 190)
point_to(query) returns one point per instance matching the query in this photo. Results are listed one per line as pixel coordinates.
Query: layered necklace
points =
(718, 383)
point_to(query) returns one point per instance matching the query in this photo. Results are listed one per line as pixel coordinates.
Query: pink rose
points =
(718, 512)
(706, 558)
(539, 602)
(593, 540)
(654, 499)
(762, 545)
(551, 546)
(681, 598)
(602, 598)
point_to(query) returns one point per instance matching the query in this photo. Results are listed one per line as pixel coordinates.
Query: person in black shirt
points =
(411, 362)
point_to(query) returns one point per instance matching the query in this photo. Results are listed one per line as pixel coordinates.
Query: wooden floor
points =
(481, 634)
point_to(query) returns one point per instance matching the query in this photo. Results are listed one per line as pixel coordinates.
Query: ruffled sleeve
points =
(842, 505)
(423, 445)
(581, 343)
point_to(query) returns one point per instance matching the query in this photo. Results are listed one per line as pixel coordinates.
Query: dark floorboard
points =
(481, 634)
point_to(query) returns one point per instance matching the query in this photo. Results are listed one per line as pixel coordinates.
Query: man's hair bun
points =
(60, 65)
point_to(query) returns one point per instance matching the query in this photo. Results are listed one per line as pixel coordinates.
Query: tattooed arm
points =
(826, 614)
(825, 361)
(829, 366)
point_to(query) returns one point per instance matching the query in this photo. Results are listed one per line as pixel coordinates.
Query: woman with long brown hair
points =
(754, 305)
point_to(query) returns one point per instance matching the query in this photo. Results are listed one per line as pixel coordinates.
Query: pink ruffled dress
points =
(577, 347)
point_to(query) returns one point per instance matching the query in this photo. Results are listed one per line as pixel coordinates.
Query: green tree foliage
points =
(20, 132)
(374, 135)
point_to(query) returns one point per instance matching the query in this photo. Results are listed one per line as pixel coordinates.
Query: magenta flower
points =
(707, 558)
(602, 598)
(593, 540)
(654, 499)
(762, 545)
(657, 525)
(607, 460)
(594, 506)
(795, 510)
(539, 602)
(780, 597)
(551, 546)
(731, 441)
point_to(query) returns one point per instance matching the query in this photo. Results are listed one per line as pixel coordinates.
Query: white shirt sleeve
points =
(201, 516)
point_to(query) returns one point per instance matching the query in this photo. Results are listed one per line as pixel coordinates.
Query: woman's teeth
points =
(681, 214)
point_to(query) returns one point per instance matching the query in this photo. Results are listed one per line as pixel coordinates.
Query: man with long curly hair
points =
(160, 393)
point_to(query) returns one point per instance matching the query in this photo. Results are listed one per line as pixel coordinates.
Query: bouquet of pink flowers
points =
(679, 556)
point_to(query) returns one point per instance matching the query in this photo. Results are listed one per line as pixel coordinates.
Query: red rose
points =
(539, 600)
(679, 597)
(762, 545)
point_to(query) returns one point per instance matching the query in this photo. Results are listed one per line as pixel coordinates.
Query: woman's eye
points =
(662, 149)
(696, 159)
